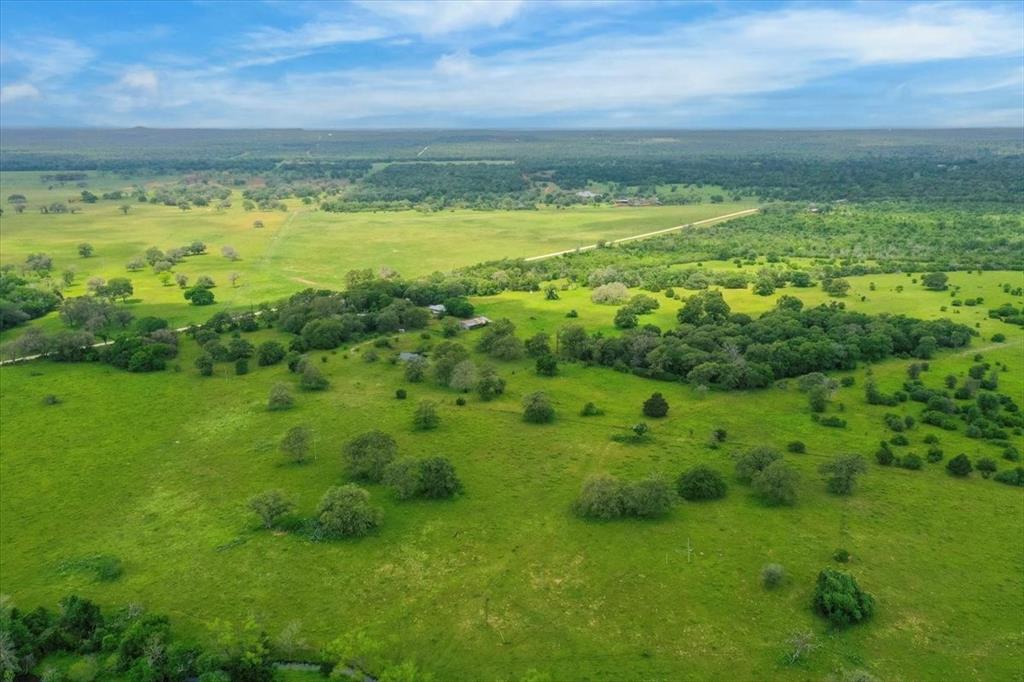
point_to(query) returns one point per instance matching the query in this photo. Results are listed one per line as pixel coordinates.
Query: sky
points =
(512, 63)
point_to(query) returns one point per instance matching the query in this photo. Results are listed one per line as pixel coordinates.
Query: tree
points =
(959, 466)
(198, 295)
(233, 278)
(269, 353)
(753, 462)
(776, 484)
(464, 376)
(625, 318)
(656, 406)
(312, 379)
(601, 497)
(935, 281)
(136, 263)
(837, 287)
(85, 249)
(415, 369)
(426, 418)
(204, 363)
(345, 512)
(367, 456)
(117, 287)
(538, 345)
(547, 365)
(229, 252)
(838, 597)
(986, 466)
(297, 443)
(240, 348)
(701, 483)
(241, 366)
(438, 479)
(537, 408)
(489, 385)
(841, 473)
(280, 398)
(271, 506)
(125, 208)
(458, 306)
(648, 498)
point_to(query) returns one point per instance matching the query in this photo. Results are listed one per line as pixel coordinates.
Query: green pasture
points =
(155, 469)
(295, 250)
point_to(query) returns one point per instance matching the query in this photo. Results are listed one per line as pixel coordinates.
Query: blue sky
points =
(557, 63)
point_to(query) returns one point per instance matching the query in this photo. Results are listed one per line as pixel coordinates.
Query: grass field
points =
(295, 250)
(155, 469)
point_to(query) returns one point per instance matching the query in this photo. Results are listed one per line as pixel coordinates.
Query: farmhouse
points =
(474, 322)
(437, 309)
(405, 356)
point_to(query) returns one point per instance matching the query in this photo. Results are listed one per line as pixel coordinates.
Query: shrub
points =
(772, 576)
(959, 466)
(271, 506)
(884, 455)
(241, 366)
(591, 410)
(1013, 476)
(460, 401)
(601, 498)
(403, 477)
(833, 421)
(986, 466)
(438, 479)
(911, 461)
(50, 399)
(415, 370)
(426, 418)
(345, 511)
(312, 379)
(297, 443)
(537, 408)
(367, 456)
(934, 455)
(400, 394)
(489, 386)
(269, 353)
(841, 555)
(796, 446)
(841, 473)
(1011, 454)
(547, 365)
(204, 363)
(612, 293)
(899, 439)
(701, 483)
(776, 484)
(648, 498)
(280, 398)
(753, 462)
(656, 406)
(838, 597)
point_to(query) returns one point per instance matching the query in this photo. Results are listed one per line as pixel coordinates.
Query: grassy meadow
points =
(155, 469)
(301, 248)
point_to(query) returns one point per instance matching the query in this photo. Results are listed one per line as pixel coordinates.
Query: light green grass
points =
(295, 250)
(156, 469)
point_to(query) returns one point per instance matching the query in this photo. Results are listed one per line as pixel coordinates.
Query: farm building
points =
(437, 309)
(474, 322)
(405, 356)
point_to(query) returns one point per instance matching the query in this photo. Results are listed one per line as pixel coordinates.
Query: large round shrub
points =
(753, 462)
(648, 498)
(839, 598)
(776, 485)
(537, 408)
(345, 511)
(959, 466)
(600, 498)
(366, 456)
(701, 483)
(438, 479)
(656, 406)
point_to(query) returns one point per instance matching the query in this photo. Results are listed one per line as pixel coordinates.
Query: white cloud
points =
(440, 17)
(141, 79)
(16, 91)
(44, 59)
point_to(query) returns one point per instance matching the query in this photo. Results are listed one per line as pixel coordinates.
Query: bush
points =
(269, 353)
(796, 446)
(426, 418)
(701, 483)
(841, 473)
(297, 443)
(776, 484)
(772, 576)
(959, 466)
(241, 366)
(600, 498)
(841, 555)
(438, 479)
(613, 293)
(489, 386)
(280, 398)
(400, 394)
(51, 399)
(537, 408)
(986, 466)
(415, 370)
(271, 506)
(367, 456)
(345, 511)
(312, 379)
(753, 462)
(911, 461)
(547, 365)
(838, 597)
(204, 363)
(591, 410)
(1013, 476)
(648, 498)
(656, 406)
(884, 455)
(403, 477)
